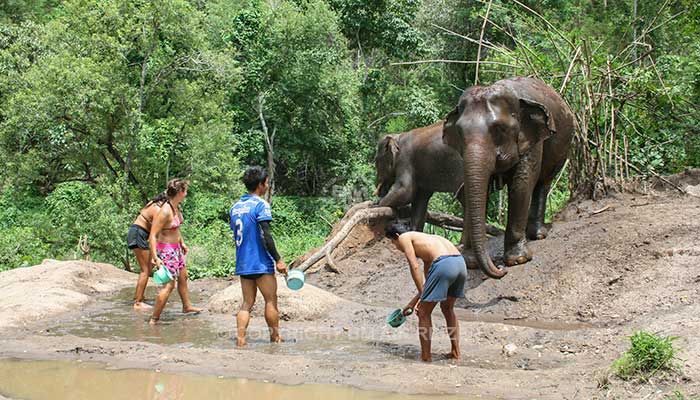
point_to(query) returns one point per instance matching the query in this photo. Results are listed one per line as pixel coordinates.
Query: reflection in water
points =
(58, 380)
(114, 318)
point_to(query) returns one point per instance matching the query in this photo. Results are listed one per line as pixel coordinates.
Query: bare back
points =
(429, 247)
(146, 215)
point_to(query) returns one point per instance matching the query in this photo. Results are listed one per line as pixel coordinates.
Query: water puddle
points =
(113, 318)
(549, 325)
(58, 380)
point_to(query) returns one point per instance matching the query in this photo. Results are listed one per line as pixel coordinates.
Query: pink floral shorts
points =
(172, 256)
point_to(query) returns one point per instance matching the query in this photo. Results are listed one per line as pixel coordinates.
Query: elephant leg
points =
(399, 195)
(520, 188)
(419, 209)
(536, 230)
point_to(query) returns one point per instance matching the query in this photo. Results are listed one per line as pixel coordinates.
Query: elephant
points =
(412, 166)
(517, 131)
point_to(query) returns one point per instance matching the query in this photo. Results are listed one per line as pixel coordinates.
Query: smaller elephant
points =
(411, 166)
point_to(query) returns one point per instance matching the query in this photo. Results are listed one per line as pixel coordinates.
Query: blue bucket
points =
(295, 279)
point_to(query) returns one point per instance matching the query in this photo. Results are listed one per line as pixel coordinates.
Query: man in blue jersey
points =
(256, 255)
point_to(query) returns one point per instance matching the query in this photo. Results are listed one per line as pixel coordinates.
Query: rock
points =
(510, 350)
(693, 190)
(308, 303)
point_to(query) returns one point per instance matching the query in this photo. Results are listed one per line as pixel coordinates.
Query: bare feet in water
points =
(453, 356)
(152, 321)
(191, 310)
(141, 306)
(276, 339)
(240, 342)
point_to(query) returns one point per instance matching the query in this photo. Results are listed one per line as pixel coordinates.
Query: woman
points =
(168, 248)
(137, 240)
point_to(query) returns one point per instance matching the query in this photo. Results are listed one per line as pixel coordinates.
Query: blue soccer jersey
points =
(251, 255)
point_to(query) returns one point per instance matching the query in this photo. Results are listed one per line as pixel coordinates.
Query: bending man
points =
(441, 281)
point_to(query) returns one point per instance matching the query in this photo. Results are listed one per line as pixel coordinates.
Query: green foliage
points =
(101, 102)
(648, 355)
(302, 223)
(79, 211)
(212, 250)
(298, 76)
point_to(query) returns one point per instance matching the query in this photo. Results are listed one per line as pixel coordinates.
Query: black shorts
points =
(137, 237)
(252, 277)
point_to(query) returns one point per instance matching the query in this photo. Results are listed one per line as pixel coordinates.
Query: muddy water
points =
(58, 380)
(113, 318)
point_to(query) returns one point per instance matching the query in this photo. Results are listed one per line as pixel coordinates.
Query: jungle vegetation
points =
(101, 102)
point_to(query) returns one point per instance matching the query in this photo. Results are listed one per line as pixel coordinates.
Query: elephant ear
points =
(450, 134)
(388, 149)
(537, 124)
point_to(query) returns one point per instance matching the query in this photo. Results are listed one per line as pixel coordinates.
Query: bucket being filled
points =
(162, 276)
(295, 279)
(397, 318)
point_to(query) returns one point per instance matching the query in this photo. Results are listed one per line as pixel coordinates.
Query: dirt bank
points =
(609, 268)
(53, 287)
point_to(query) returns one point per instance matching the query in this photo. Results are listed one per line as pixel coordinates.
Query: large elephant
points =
(518, 130)
(412, 166)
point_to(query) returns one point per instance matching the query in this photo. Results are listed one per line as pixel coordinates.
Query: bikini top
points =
(176, 219)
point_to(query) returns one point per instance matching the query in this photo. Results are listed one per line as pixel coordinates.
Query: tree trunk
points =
(269, 144)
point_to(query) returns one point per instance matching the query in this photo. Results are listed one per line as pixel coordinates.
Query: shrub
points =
(648, 355)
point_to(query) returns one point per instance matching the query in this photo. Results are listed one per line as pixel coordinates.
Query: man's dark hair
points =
(253, 176)
(396, 228)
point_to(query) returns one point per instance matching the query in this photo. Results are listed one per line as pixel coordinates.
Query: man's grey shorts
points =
(446, 278)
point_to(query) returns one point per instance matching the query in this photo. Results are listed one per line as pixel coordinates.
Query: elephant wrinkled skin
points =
(412, 166)
(518, 130)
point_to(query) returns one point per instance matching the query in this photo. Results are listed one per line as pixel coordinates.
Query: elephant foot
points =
(519, 253)
(537, 231)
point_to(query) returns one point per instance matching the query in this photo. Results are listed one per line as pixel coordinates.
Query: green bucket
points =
(162, 276)
(396, 318)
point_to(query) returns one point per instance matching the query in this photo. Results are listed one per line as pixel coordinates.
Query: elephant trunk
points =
(478, 166)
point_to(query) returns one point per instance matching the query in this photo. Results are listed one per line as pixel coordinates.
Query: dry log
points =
(362, 211)
(330, 263)
(454, 223)
(358, 215)
(606, 208)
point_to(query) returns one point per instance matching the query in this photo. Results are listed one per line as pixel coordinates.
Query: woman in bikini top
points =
(137, 240)
(168, 248)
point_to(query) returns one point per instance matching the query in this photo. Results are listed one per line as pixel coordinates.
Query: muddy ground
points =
(608, 269)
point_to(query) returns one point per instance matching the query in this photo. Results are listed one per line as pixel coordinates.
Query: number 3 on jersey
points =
(239, 232)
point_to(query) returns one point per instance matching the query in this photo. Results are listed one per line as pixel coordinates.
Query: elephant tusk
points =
(379, 187)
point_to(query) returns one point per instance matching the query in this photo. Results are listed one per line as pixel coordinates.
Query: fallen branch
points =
(331, 264)
(606, 208)
(453, 223)
(361, 212)
(358, 215)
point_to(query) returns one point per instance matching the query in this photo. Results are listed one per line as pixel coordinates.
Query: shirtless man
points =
(442, 281)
